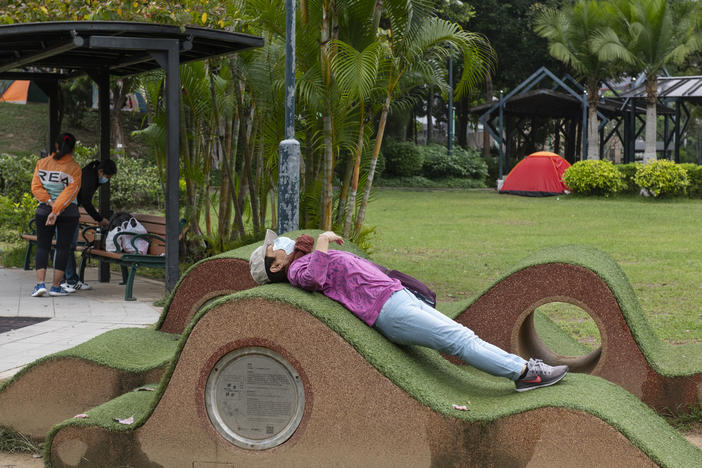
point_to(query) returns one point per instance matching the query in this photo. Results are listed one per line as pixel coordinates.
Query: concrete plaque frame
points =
(254, 398)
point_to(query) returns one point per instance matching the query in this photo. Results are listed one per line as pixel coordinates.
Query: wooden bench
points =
(130, 262)
(85, 221)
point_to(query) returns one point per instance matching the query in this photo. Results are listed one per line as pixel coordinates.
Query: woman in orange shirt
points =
(55, 184)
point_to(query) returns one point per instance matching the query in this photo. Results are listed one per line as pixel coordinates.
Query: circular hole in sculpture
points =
(560, 333)
(566, 329)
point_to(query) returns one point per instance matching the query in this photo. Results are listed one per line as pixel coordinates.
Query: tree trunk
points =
(593, 140)
(326, 201)
(351, 206)
(462, 131)
(343, 194)
(488, 99)
(116, 124)
(651, 119)
(371, 171)
(430, 109)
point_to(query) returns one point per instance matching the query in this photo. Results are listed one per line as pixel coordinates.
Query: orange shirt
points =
(57, 180)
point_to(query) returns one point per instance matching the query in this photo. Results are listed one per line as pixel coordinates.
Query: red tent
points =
(538, 175)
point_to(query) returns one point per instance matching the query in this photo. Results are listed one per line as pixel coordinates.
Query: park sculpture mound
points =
(275, 376)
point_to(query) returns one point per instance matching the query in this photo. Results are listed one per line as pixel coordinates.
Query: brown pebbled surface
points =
(210, 279)
(354, 416)
(56, 390)
(504, 316)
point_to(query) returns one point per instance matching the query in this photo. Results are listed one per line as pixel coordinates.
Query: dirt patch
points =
(695, 435)
(20, 460)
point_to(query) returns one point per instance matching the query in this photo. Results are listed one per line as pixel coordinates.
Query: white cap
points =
(257, 262)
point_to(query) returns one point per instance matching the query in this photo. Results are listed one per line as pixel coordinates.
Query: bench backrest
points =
(154, 225)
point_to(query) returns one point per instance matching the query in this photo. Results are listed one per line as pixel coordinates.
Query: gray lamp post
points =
(450, 101)
(289, 149)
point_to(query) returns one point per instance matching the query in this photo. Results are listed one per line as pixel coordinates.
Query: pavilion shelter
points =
(676, 92)
(518, 119)
(49, 52)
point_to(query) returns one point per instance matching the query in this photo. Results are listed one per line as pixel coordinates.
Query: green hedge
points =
(16, 175)
(628, 172)
(402, 158)
(462, 163)
(593, 177)
(662, 178)
(694, 176)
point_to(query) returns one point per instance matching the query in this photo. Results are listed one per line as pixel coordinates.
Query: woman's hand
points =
(325, 238)
(333, 237)
(51, 219)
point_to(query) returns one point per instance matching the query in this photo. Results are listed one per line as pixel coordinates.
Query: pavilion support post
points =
(632, 135)
(167, 53)
(501, 141)
(583, 154)
(51, 89)
(666, 137)
(172, 165)
(102, 79)
(677, 130)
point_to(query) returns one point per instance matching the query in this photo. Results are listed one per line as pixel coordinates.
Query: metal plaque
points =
(255, 398)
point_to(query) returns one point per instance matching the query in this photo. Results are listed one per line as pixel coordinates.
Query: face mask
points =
(103, 180)
(284, 243)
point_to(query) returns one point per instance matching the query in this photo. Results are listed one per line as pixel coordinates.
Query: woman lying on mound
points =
(384, 304)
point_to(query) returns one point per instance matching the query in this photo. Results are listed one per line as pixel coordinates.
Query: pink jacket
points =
(348, 279)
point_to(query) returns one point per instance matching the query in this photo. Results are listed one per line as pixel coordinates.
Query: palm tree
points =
(414, 44)
(356, 75)
(647, 36)
(570, 32)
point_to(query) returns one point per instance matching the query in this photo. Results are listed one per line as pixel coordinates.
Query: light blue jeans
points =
(406, 320)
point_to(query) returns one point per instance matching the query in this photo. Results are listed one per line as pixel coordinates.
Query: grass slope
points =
(666, 359)
(128, 349)
(438, 384)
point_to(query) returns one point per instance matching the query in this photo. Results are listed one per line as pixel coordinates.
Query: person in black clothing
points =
(95, 174)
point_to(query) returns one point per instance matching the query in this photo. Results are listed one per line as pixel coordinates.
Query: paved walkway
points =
(73, 319)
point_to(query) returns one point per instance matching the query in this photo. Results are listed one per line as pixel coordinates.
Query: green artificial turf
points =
(438, 384)
(134, 350)
(556, 338)
(668, 360)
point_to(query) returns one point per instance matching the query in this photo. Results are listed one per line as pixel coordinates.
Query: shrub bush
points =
(136, 185)
(593, 177)
(15, 216)
(402, 158)
(462, 163)
(662, 178)
(629, 171)
(694, 175)
(16, 175)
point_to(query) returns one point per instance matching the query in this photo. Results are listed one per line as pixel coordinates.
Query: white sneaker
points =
(82, 285)
(68, 287)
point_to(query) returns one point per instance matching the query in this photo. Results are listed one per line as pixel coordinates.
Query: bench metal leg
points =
(125, 275)
(28, 256)
(130, 283)
(83, 264)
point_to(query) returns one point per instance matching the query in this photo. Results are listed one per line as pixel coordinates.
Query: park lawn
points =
(458, 242)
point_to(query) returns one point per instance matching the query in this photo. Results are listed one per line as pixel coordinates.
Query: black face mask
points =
(277, 277)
